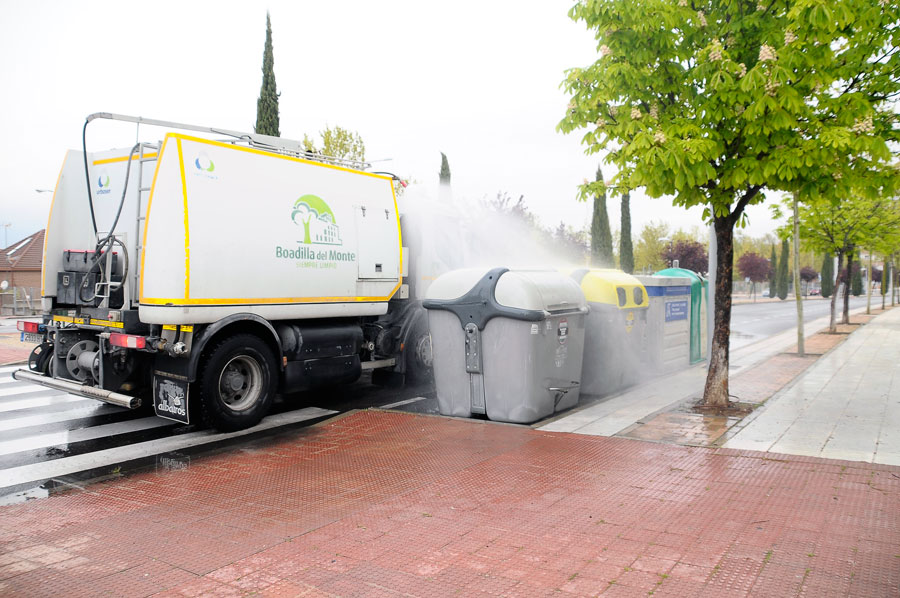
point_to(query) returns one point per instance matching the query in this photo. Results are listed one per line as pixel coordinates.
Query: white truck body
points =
(227, 230)
(238, 264)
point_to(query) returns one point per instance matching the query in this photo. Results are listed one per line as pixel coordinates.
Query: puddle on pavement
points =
(683, 428)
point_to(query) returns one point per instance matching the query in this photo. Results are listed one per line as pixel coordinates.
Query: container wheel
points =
(419, 360)
(237, 383)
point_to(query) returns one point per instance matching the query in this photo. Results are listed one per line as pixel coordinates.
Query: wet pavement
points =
(50, 440)
(846, 406)
(382, 503)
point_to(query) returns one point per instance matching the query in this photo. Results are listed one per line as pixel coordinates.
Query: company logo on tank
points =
(204, 166)
(320, 227)
(102, 183)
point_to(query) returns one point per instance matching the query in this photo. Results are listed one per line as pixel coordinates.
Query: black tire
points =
(39, 360)
(237, 383)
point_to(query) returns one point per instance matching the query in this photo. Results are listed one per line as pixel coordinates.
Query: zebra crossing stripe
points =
(90, 409)
(38, 402)
(38, 472)
(71, 436)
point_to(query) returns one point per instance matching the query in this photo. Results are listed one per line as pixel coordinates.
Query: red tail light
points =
(129, 341)
(26, 326)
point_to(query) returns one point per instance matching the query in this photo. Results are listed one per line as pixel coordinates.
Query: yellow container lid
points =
(612, 287)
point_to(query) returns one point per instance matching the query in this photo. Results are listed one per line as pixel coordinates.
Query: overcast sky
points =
(478, 80)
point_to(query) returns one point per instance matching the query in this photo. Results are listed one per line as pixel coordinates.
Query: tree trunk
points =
(832, 321)
(845, 317)
(797, 296)
(715, 393)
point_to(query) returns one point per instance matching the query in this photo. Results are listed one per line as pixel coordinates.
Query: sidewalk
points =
(381, 503)
(617, 414)
(12, 350)
(846, 406)
(391, 504)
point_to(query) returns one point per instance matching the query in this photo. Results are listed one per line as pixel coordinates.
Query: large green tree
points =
(712, 102)
(601, 236)
(626, 251)
(267, 104)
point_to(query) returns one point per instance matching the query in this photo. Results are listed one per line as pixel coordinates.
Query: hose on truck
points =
(110, 238)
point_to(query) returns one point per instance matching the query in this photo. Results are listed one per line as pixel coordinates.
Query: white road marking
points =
(406, 402)
(37, 472)
(39, 402)
(22, 390)
(69, 436)
(89, 410)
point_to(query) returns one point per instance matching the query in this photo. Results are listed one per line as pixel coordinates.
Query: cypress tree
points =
(267, 104)
(601, 237)
(626, 252)
(856, 284)
(828, 275)
(444, 174)
(773, 263)
(781, 280)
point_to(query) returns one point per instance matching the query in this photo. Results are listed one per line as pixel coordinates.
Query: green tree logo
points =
(319, 224)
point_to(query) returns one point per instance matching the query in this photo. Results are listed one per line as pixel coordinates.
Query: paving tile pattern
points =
(12, 350)
(845, 406)
(391, 504)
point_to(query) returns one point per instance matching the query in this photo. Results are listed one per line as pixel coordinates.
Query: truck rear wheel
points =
(237, 383)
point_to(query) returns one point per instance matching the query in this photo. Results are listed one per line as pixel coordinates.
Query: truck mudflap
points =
(82, 390)
(170, 397)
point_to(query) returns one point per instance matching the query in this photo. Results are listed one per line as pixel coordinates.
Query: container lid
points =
(612, 287)
(666, 285)
(478, 295)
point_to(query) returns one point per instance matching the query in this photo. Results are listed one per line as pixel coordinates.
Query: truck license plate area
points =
(32, 337)
(170, 398)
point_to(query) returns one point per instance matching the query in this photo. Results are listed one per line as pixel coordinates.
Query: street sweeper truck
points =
(212, 269)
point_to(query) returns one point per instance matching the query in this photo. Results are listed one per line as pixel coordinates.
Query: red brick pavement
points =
(13, 351)
(390, 504)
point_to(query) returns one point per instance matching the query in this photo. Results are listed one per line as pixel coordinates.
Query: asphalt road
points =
(751, 322)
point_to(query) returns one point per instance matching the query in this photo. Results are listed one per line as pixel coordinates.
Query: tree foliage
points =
(713, 102)
(828, 275)
(648, 250)
(337, 142)
(808, 274)
(754, 266)
(856, 283)
(782, 278)
(626, 252)
(444, 174)
(773, 272)
(267, 104)
(601, 237)
(690, 255)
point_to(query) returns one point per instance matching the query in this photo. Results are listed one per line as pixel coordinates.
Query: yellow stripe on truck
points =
(186, 300)
(122, 159)
(173, 327)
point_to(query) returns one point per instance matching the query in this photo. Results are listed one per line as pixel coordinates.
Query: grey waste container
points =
(669, 339)
(615, 339)
(506, 344)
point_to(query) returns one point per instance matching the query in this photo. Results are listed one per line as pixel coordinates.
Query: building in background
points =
(20, 263)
